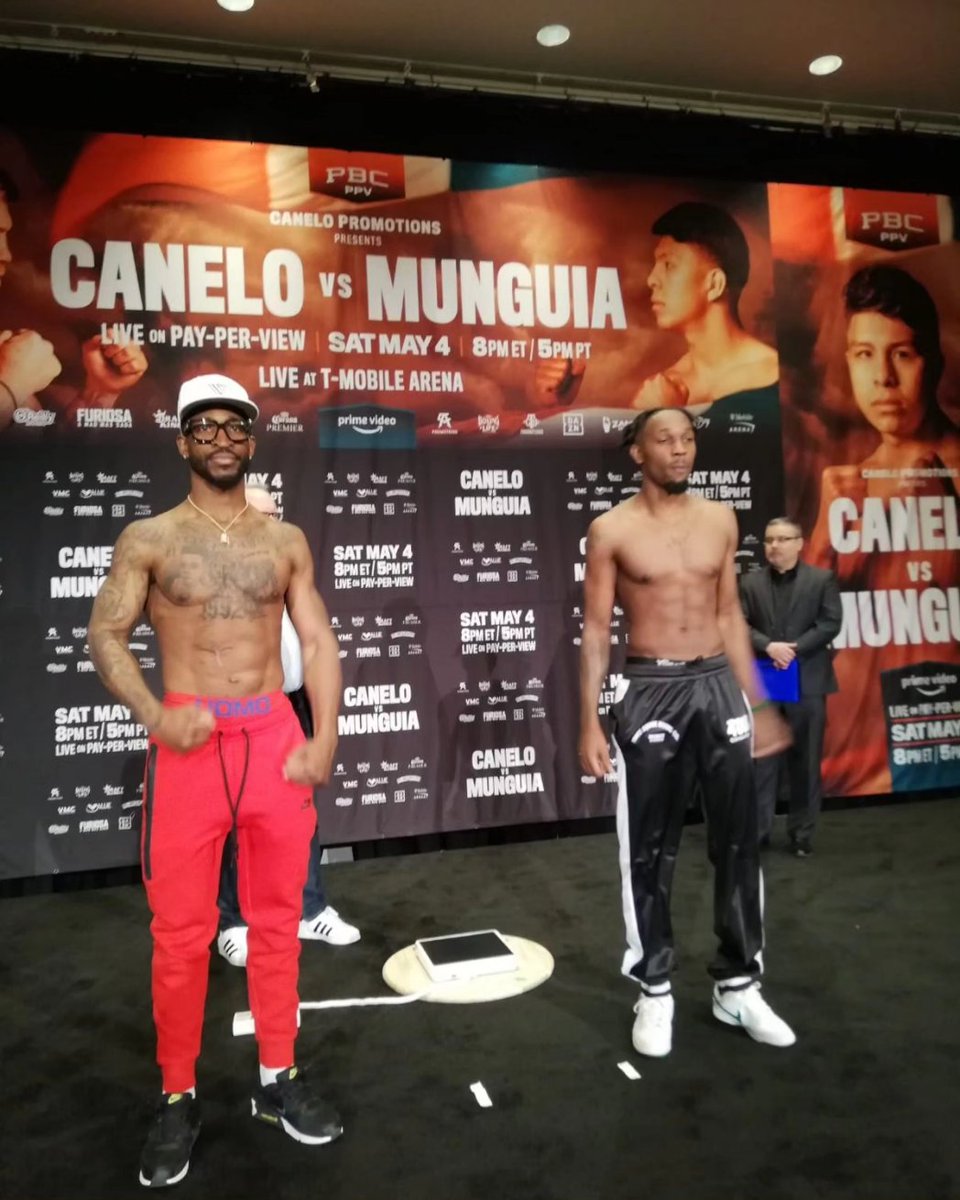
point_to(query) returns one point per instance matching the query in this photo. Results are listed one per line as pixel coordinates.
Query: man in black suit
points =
(793, 611)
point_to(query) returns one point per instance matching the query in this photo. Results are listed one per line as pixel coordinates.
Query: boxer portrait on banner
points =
(29, 364)
(701, 264)
(864, 529)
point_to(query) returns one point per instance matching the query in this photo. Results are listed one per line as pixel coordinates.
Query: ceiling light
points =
(826, 64)
(236, 5)
(553, 35)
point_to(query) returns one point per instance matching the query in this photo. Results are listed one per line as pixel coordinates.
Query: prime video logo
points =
(371, 426)
(361, 425)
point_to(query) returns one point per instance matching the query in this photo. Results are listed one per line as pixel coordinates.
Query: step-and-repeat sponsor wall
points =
(446, 355)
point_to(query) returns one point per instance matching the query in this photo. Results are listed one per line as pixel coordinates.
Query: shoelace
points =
(660, 1015)
(173, 1117)
(655, 1013)
(293, 1087)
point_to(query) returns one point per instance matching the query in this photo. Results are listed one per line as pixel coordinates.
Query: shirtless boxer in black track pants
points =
(690, 708)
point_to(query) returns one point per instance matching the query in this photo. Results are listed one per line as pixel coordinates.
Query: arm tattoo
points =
(117, 606)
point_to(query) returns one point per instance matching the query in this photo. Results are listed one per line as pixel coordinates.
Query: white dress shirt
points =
(291, 656)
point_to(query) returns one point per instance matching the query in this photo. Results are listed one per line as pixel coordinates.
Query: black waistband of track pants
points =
(641, 664)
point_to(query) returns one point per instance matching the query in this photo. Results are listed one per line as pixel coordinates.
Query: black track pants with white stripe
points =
(679, 724)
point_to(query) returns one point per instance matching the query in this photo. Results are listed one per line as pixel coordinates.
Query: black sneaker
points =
(293, 1106)
(801, 849)
(165, 1158)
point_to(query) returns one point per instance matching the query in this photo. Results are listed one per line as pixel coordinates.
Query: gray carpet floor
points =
(862, 958)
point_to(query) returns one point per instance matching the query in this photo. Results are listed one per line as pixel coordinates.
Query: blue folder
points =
(782, 686)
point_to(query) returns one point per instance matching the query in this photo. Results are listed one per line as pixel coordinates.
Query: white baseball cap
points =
(214, 391)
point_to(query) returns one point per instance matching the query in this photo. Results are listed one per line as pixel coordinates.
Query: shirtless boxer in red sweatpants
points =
(226, 752)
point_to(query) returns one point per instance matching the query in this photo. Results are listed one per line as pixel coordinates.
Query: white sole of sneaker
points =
(169, 1183)
(282, 1123)
(348, 940)
(652, 1053)
(731, 1019)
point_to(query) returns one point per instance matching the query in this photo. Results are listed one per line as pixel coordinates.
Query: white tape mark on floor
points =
(481, 1095)
(629, 1070)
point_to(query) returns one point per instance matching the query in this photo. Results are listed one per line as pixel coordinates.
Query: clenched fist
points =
(594, 751)
(557, 380)
(27, 363)
(112, 367)
(310, 763)
(662, 391)
(846, 481)
(184, 728)
(771, 733)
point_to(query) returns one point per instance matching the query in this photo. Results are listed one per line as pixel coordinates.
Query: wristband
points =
(6, 387)
(757, 707)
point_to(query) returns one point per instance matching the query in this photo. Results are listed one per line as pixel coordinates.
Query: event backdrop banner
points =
(446, 355)
(868, 309)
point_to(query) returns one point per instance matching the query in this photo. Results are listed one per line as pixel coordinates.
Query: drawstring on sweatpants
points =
(234, 804)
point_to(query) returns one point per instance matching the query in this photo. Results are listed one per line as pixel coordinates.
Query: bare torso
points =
(913, 468)
(668, 572)
(943, 451)
(750, 364)
(744, 364)
(217, 607)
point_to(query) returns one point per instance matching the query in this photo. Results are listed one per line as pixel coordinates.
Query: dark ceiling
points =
(739, 57)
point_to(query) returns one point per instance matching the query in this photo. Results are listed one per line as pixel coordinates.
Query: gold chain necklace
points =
(224, 529)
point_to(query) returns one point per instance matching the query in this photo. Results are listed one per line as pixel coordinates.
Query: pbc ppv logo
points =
(893, 220)
(357, 177)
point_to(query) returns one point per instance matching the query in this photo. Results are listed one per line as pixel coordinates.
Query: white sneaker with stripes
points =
(232, 945)
(328, 926)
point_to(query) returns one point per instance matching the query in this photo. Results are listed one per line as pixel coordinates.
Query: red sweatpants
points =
(190, 803)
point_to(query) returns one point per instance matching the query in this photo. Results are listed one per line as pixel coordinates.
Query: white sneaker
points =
(747, 1008)
(232, 945)
(653, 1028)
(330, 927)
